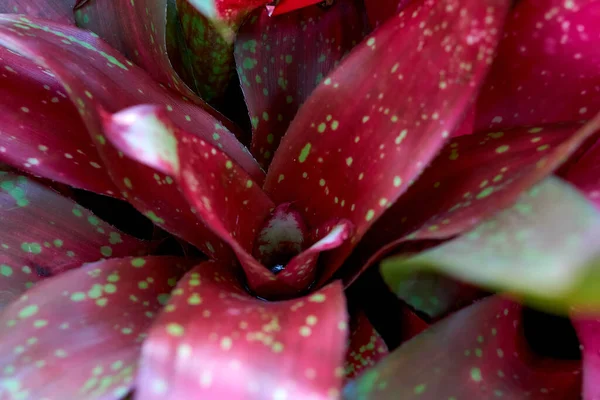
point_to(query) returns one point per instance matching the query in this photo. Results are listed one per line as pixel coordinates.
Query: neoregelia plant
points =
(424, 129)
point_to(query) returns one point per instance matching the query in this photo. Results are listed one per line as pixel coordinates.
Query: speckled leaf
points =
(78, 336)
(473, 177)
(380, 11)
(44, 234)
(355, 145)
(215, 341)
(280, 60)
(588, 331)
(41, 132)
(211, 55)
(366, 346)
(98, 77)
(546, 70)
(55, 10)
(226, 15)
(477, 353)
(137, 29)
(585, 173)
(545, 246)
(285, 6)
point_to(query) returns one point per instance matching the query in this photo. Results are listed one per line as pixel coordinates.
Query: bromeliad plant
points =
(440, 127)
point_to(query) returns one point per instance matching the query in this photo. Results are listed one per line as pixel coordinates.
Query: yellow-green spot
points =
(476, 374)
(34, 248)
(77, 212)
(163, 298)
(174, 329)
(28, 311)
(110, 288)
(58, 242)
(128, 183)
(370, 215)
(249, 183)
(419, 389)
(502, 149)
(321, 128)
(40, 323)
(304, 152)
(154, 217)
(78, 296)
(106, 251)
(5, 270)
(485, 192)
(138, 262)
(228, 164)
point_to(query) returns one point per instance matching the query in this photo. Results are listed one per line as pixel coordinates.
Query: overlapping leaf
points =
(380, 11)
(354, 146)
(55, 10)
(585, 173)
(286, 6)
(546, 70)
(215, 341)
(588, 331)
(44, 234)
(545, 247)
(280, 60)
(222, 194)
(98, 77)
(79, 335)
(488, 358)
(366, 346)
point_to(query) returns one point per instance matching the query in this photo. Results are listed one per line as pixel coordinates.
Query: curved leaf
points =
(44, 234)
(477, 353)
(588, 331)
(285, 6)
(366, 346)
(585, 173)
(380, 11)
(216, 341)
(545, 247)
(55, 10)
(354, 146)
(94, 76)
(546, 70)
(280, 60)
(79, 335)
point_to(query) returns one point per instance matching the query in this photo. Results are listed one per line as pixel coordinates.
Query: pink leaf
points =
(477, 353)
(473, 177)
(276, 71)
(588, 331)
(216, 341)
(44, 234)
(41, 130)
(380, 11)
(366, 346)
(546, 70)
(585, 173)
(97, 77)
(286, 6)
(55, 10)
(79, 335)
(354, 146)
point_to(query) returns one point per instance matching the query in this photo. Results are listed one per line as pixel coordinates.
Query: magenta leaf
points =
(354, 146)
(380, 11)
(44, 234)
(137, 29)
(79, 335)
(97, 77)
(546, 70)
(215, 341)
(585, 173)
(366, 346)
(276, 71)
(544, 247)
(473, 177)
(477, 353)
(588, 331)
(41, 130)
(286, 6)
(55, 10)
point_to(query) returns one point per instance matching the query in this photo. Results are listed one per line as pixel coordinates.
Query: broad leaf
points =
(44, 234)
(55, 10)
(545, 247)
(213, 340)
(97, 77)
(546, 70)
(588, 331)
(79, 335)
(585, 173)
(276, 71)
(354, 146)
(380, 11)
(285, 6)
(477, 353)
(137, 29)
(41, 131)
(366, 346)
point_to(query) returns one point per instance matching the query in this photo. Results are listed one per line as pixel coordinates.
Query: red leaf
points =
(79, 335)
(286, 6)
(137, 29)
(44, 234)
(380, 11)
(114, 83)
(473, 177)
(55, 10)
(276, 71)
(585, 173)
(354, 146)
(366, 346)
(546, 70)
(477, 353)
(588, 331)
(41, 130)
(216, 341)
(222, 194)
